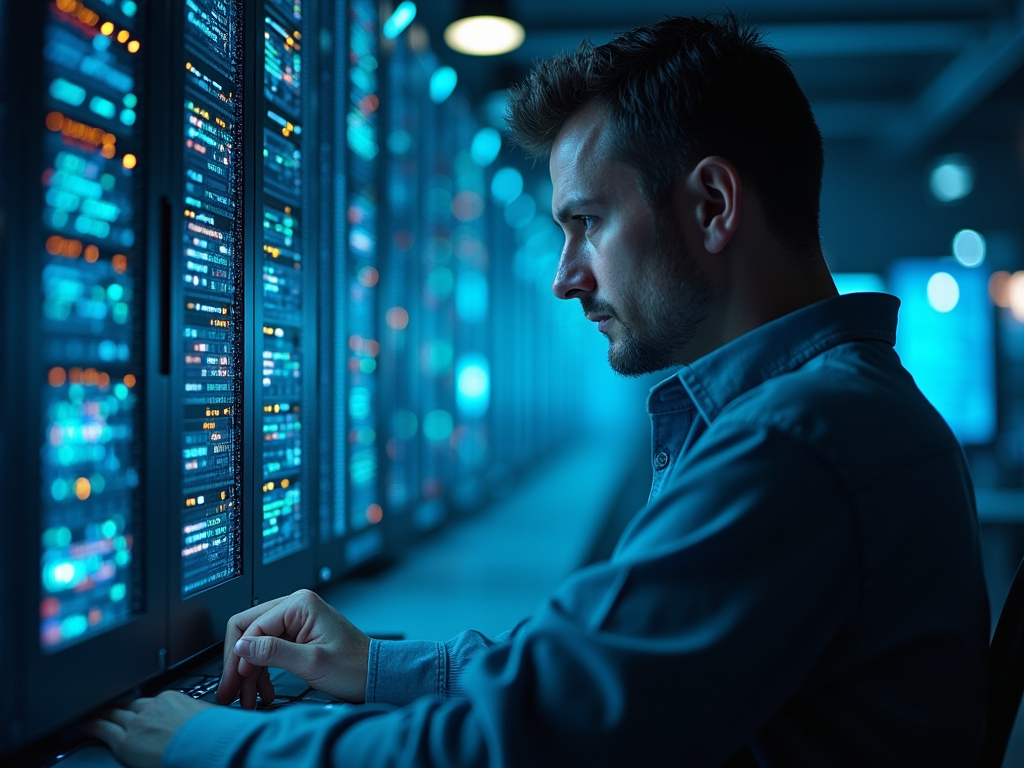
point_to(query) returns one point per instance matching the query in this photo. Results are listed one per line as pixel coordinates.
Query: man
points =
(804, 586)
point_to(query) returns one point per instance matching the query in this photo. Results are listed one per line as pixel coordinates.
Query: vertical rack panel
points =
(209, 325)
(400, 281)
(285, 307)
(79, 339)
(332, 287)
(364, 508)
(471, 436)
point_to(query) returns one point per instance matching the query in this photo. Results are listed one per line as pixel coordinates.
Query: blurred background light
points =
(507, 184)
(951, 178)
(473, 385)
(485, 147)
(399, 20)
(442, 83)
(1016, 295)
(969, 247)
(521, 211)
(858, 282)
(943, 292)
(999, 289)
(471, 297)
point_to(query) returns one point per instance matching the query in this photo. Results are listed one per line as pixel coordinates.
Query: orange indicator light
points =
(374, 513)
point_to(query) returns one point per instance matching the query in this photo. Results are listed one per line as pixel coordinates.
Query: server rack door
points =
(471, 437)
(332, 299)
(363, 511)
(285, 544)
(9, 667)
(436, 353)
(87, 569)
(211, 317)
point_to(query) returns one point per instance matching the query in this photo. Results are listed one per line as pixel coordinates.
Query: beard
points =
(670, 305)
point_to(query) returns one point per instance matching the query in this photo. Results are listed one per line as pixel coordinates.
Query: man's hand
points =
(139, 735)
(302, 634)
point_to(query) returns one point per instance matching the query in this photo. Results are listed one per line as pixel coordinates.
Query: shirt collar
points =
(776, 347)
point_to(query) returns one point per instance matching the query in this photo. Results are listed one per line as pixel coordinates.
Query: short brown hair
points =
(678, 91)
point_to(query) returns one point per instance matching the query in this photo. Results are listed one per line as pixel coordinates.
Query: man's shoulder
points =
(855, 406)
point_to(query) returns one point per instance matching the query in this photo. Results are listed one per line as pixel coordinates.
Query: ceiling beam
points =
(896, 38)
(982, 66)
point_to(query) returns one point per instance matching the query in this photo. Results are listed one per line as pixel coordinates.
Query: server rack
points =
(87, 382)
(190, 178)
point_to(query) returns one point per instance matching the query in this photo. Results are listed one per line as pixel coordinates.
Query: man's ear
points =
(716, 186)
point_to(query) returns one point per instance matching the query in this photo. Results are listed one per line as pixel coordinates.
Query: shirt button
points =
(661, 460)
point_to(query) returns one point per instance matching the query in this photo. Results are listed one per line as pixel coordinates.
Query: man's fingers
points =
(109, 733)
(266, 651)
(264, 687)
(231, 678)
(123, 717)
(136, 705)
(247, 695)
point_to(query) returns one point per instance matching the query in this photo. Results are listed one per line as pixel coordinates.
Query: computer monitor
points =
(946, 339)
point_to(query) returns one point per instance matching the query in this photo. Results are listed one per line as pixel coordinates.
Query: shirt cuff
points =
(400, 671)
(211, 738)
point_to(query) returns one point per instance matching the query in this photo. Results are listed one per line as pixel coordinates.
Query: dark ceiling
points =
(901, 73)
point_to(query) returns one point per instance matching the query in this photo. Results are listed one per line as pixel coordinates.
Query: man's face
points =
(628, 266)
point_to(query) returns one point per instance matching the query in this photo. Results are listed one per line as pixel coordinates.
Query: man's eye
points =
(587, 221)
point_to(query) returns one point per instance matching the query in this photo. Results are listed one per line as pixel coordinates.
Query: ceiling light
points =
(484, 28)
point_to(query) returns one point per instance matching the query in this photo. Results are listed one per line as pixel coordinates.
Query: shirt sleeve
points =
(719, 602)
(401, 671)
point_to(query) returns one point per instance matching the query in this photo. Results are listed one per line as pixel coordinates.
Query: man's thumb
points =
(266, 651)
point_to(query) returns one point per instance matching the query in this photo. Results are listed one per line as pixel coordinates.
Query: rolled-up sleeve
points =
(719, 601)
(401, 671)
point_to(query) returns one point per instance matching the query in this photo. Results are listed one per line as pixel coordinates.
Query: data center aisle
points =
(490, 571)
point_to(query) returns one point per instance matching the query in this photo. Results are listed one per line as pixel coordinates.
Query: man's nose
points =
(574, 276)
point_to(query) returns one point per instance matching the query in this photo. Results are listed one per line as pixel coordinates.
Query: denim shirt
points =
(803, 589)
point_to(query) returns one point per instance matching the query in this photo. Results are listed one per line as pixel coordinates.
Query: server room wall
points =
(269, 322)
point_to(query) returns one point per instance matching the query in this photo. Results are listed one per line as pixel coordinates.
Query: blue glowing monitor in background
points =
(858, 282)
(946, 340)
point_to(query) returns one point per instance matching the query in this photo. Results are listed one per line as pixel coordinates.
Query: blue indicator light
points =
(442, 84)
(507, 184)
(437, 425)
(399, 20)
(67, 92)
(473, 385)
(485, 147)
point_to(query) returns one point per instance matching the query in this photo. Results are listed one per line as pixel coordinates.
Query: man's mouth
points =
(601, 320)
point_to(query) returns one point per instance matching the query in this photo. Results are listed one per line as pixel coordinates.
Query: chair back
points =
(1005, 674)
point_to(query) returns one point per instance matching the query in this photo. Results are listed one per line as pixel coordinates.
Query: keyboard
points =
(288, 689)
